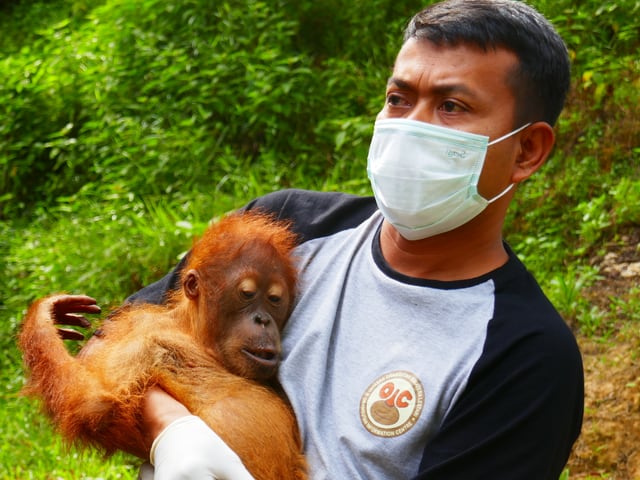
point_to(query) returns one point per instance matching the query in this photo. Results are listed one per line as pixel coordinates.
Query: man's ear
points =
(536, 143)
(191, 284)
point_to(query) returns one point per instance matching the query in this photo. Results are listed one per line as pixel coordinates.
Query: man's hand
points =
(183, 446)
(159, 409)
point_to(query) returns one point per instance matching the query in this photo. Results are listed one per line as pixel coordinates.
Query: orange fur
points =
(95, 398)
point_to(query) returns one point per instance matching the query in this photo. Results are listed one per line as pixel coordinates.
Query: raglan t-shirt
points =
(394, 377)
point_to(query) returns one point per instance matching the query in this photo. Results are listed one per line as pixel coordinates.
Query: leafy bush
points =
(173, 95)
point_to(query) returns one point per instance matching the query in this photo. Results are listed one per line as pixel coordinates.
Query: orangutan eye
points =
(248, 294)
(275, 299)
(275, 293)
(248, 288)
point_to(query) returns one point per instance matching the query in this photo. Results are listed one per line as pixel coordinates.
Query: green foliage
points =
(588, 191)
(166, 94)
(565, 289)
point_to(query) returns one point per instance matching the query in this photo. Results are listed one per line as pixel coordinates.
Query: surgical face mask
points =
(425, 177)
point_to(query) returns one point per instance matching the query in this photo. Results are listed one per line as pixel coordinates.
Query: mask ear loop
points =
(508, 134)
(504, 192)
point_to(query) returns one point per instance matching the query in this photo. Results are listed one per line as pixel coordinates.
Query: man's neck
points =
(464, 253)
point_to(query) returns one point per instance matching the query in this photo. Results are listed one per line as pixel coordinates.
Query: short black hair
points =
(541, 82)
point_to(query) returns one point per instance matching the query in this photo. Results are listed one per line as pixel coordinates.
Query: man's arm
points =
(156, 292)
(519, 416)
(183, 446)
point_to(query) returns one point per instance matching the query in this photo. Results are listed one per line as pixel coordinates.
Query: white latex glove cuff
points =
(188, 449)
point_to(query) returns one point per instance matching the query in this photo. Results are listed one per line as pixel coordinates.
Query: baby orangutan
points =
(215, 347)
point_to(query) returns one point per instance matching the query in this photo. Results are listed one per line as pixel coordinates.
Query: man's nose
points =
(421, 112)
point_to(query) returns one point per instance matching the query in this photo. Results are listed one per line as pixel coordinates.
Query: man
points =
(420, 347)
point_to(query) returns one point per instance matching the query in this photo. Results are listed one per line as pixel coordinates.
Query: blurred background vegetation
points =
(126, 125)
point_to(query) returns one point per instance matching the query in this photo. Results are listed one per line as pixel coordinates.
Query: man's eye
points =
(395, 100)
(450, 106)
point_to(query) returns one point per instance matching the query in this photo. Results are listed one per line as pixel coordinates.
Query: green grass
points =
(35, 452)
(30, 449)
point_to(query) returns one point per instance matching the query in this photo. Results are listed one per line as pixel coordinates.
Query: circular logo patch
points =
(392, 404)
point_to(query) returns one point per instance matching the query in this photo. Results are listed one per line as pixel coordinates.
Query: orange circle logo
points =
(392, 404)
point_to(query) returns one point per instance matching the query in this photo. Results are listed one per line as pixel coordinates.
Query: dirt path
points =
(609, 447)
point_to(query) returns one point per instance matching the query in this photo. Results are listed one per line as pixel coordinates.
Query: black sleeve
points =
(522, 409)
(157, 292)
(316, 214)
(313, 215)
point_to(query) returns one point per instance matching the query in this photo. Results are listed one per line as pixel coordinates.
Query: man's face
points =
(460, 87)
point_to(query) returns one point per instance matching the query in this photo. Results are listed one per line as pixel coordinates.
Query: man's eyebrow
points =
(399, 83)
(444, 89)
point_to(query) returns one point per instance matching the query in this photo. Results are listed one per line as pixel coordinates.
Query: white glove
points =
(187, 449)
(145, 472)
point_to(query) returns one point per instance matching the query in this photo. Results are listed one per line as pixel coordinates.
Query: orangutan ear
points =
(536, 143)
(191, 284)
